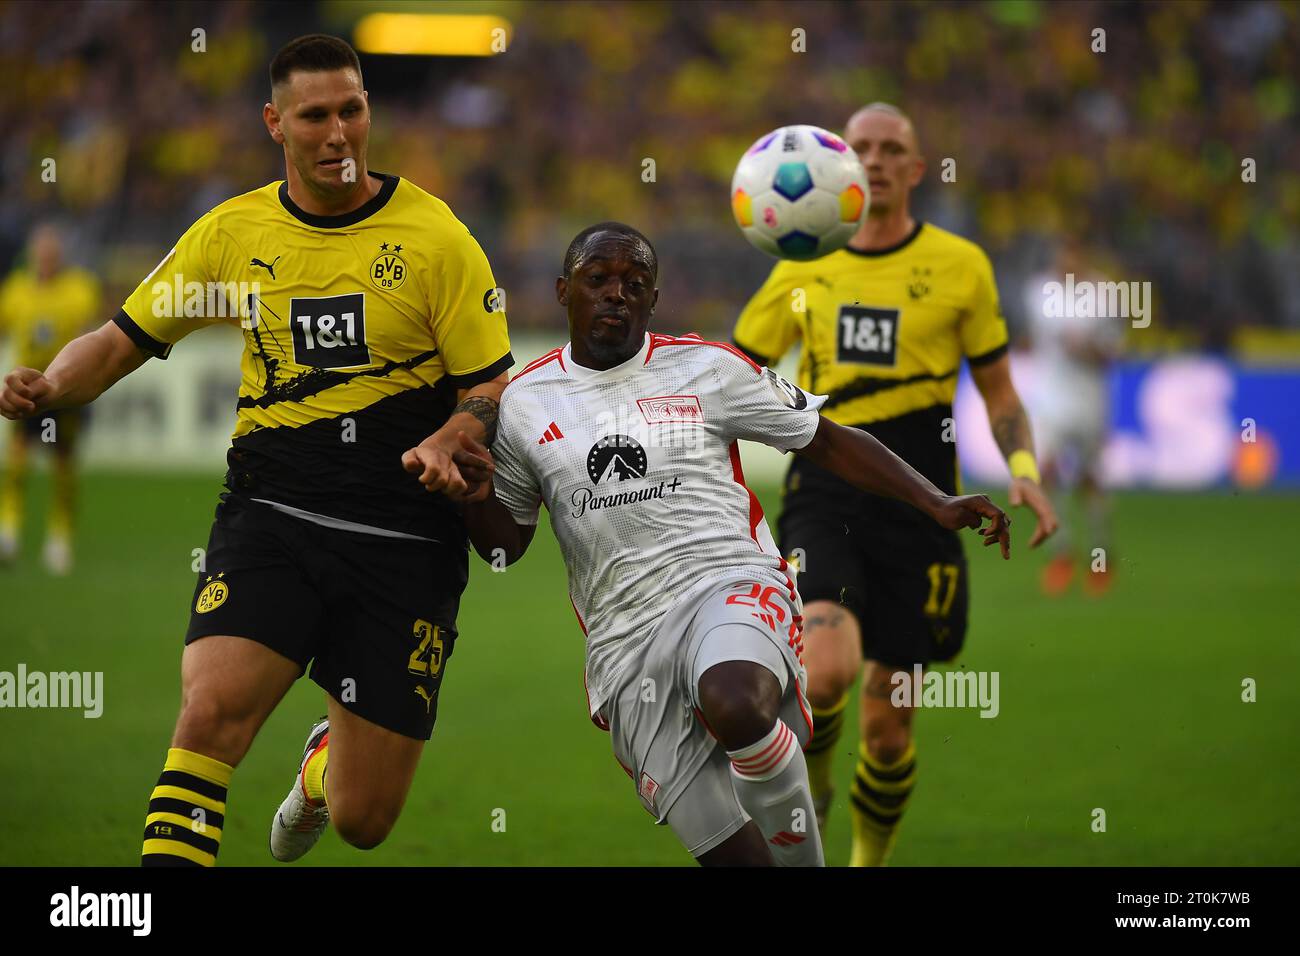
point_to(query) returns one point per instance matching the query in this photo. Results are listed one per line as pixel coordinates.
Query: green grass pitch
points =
(1131, 703)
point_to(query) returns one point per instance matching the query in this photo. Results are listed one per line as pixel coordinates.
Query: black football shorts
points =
(904, 578)
(375, 617)
(63, 437)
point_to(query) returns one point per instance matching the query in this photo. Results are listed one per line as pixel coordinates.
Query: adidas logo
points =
(785, 838)
(551, 434)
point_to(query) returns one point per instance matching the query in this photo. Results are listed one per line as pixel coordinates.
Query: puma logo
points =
(269, 268)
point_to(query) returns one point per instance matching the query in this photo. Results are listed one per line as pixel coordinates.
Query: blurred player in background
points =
(1074, 352)
(373, 334)
(42, 308)
(887, 323)
(694, 661)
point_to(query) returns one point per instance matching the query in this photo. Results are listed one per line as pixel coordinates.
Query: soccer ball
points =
(799, 193)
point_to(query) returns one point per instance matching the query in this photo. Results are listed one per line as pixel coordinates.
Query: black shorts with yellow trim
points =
(375, 617)
(60, 430)
(905, 579)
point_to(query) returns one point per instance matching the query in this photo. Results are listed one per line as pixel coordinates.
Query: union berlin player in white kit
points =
(692, 619)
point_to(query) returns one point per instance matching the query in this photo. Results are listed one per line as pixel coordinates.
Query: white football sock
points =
(771, 781)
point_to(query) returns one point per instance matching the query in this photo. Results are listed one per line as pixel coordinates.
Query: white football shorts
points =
(682, 774)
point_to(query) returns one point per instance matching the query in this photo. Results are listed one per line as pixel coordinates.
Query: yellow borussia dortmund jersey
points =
(882, 334)
(358, 329)
(42, 317)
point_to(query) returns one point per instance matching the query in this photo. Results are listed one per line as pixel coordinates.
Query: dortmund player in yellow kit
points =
(886, 325)
(42, 308)
(373, 333)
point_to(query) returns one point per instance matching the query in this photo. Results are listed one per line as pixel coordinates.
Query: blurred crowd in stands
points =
(1137, 152)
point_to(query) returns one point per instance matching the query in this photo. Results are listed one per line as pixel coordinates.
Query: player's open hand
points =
(475, 464)
(25, 389)
(1027, 492)
(969, 511)
(433, 464)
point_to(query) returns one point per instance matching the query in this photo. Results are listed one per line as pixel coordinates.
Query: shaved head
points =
(608, 290)
(590, 241)
(886, 143)
(904, 122)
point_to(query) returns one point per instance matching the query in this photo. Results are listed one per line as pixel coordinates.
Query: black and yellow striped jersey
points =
(39, 318)
(358, 329)
(882, 334)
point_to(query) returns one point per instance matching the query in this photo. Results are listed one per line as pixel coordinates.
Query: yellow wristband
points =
(1022, 465)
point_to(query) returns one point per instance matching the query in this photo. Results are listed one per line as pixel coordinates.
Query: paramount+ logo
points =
(616, 458)
(612, 460)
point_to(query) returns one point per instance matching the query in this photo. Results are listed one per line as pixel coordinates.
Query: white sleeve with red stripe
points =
(759, 405)
(516, 484)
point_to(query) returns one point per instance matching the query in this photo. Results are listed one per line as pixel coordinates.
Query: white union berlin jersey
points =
(640, 470)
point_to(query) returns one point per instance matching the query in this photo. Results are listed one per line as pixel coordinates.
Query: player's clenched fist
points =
(435, 470)
(463, 472)
(24, 391)
(969, 511)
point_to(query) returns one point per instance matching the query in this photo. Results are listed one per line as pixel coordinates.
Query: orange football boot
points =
(1057, 575)
(1097, 583)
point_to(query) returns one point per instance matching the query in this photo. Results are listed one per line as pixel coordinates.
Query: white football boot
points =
(298, 824)
(58, 555)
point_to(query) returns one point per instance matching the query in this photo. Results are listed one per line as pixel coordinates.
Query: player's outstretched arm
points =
(492, 528)
(83, 370)
(865, 463)
(1010, 426)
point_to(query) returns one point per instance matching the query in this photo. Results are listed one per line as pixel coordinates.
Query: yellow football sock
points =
(64, 498)
(879, 797)
(820, 752)
(11, 489)
(313, 775)
(187, 811)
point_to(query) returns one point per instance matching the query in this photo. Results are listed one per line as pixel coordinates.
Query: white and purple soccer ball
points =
(799, 193)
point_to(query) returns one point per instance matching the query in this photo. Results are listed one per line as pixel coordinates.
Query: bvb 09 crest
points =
(388, 271)
(213, 595)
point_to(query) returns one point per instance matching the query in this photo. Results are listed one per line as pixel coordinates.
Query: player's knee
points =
(831, 652)
(826, 686)
(360, 823)
(208, 726)
(745, 847)
(363, 834)
(887, 744)
(741, 701)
